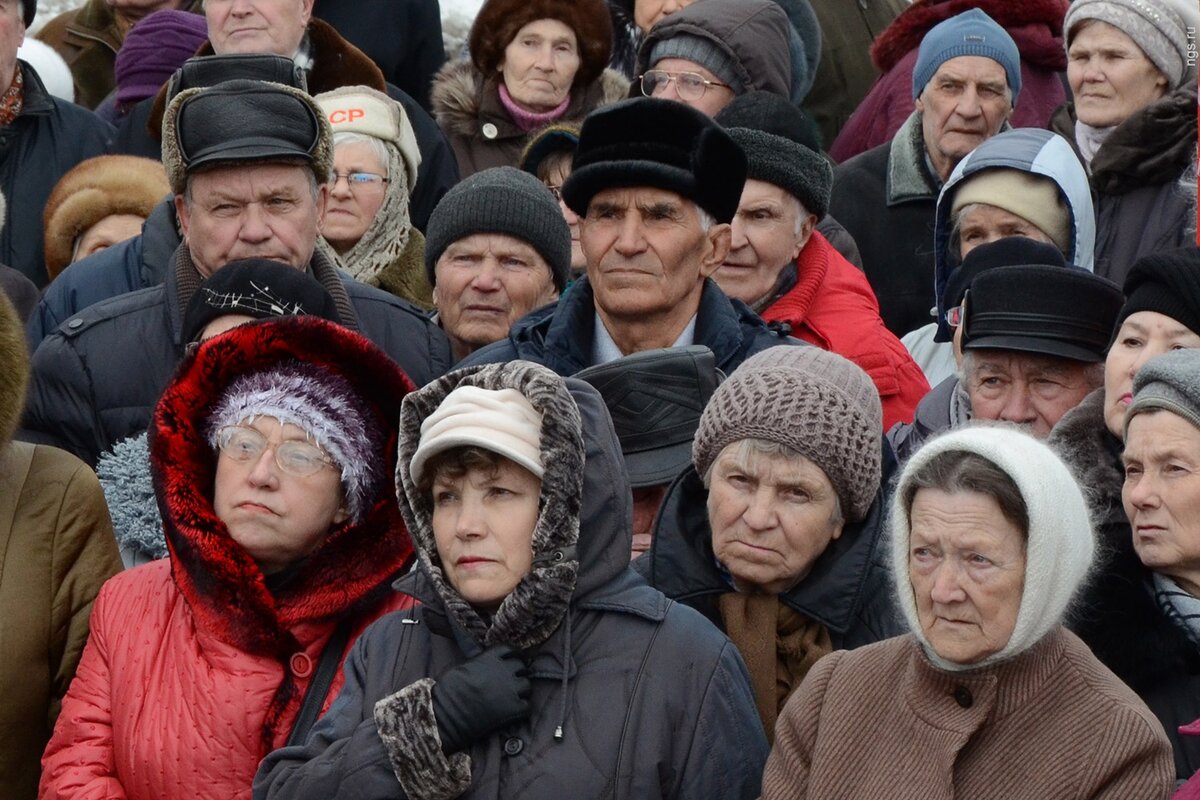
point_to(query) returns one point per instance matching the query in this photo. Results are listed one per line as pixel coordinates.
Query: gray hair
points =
(1093, 374)
(377, 146)
(953, 471)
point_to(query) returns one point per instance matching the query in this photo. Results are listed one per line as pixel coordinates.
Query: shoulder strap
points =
(322, 679)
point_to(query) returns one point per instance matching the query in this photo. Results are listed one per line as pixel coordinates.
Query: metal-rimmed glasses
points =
(357, 180)
(688, 85)
(244, 444)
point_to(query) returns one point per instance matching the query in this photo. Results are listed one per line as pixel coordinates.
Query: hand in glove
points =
(481, 696)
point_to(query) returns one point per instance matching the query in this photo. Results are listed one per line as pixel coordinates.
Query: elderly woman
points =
(987, 696)
(270, 449)
(533, 62)
(367, 224)
(537, 665)
(1132, 120)
(773, 535)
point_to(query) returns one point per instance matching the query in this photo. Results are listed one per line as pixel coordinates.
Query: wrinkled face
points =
(255, 211)
(983, 224)
(1142, 336)
(771, 517)
(554, 182)
(12, 36)
(485, 283)
(1161, 494)
(113, 229)
(965, 102)
(483, 527)
(711, 101)
(966, 563)
(1110, 76)
(1033, 391)
(540, 63)
(648, 12)
(352, 206)
(279, 518)
(647, 254)
(768, 235)
(646, 502)
(257, 26)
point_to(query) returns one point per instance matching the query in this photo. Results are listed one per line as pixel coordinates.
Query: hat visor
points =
(1036, 346)
(658, 466)
(255, 149)
(481, 437)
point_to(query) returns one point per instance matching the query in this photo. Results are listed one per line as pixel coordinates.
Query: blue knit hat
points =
(971, 33)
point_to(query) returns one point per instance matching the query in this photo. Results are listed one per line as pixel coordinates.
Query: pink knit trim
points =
(531, 120)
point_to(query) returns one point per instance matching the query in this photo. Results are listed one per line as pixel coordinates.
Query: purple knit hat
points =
(153, 49)
(326, 406)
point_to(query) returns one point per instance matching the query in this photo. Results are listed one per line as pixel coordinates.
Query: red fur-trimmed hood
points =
(222, 584)
(1035, 25)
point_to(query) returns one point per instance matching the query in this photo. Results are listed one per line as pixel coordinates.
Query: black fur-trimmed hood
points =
(582, 459)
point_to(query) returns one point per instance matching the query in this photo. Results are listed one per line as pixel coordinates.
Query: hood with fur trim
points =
(583, 533)
(222, 584)
(14, 367)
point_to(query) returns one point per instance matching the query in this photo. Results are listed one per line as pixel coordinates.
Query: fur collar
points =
(463, 101)
(1035, 25)
(908, 176)
(124, 473)
(1087, 447)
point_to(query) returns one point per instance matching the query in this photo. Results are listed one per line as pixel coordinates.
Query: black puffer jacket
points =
(653, 702)
(96, 379)
(1116, 614)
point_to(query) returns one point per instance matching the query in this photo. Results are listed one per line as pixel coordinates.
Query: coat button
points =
(490, 130)
(301, 665)
(513, 745)
(962, 696)
(75, 323)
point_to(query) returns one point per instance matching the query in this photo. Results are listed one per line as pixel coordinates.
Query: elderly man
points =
(288, 28)
(655, 185)
(498, 247)
(785, 269)
(965, 83)
(1033, 334)
(41, 138)
(249, 163)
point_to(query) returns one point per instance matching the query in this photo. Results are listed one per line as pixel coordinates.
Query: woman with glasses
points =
(272, 451)
(367, 225)
(533, 63)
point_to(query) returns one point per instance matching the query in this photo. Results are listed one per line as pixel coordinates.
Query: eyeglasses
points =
(956, 315)
(688, 85)
(358, 179)
(556, 191)
(245, 444)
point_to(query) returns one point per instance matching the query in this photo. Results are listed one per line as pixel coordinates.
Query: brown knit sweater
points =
(1052, 724)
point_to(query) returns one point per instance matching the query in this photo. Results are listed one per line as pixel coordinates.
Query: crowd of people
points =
(679, 399)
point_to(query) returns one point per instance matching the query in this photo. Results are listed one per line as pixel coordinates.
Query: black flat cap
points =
(655, 399)
(204, 71)
(1054, 311)
(259, 288)
(660, 144)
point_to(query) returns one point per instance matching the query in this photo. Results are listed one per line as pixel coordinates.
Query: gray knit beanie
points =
(815, 402)
(1170, 382)
(501, 200)
(1160, 28)
(720, 62)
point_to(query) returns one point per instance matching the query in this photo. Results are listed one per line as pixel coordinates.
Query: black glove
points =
(480, 696)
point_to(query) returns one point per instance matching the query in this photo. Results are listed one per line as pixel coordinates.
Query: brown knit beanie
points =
(815, 402)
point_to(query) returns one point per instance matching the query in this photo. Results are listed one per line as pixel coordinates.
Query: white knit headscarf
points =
(1060, 545)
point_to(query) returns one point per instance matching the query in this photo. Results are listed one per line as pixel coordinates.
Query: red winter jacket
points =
(1035, 26)
(833, 307)
(195, 670)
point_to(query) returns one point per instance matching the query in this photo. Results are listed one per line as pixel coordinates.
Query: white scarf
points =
(1089, 139)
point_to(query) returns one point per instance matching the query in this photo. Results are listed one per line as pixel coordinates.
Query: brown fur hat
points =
(499, 21)
(95, 189)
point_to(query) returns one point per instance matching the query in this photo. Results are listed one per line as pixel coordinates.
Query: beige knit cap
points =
(361, 109)
(1034, 198)
(500, 420)
(818, 403)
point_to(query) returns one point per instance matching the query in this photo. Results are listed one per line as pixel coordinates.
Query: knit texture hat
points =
(1160, 28)
(971, 33)
(719, 61)
(259, 288)
(561, 137)
(775, 136)
(92, 190)
(661, 144)
(1170, 382)
(329, 410)
(501, 200)
(1032, 197)
(1058, 549)
(153, 49)
(1166, 282)
(499, 21)
(500, 420)
(361, 109)
(815, 402)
